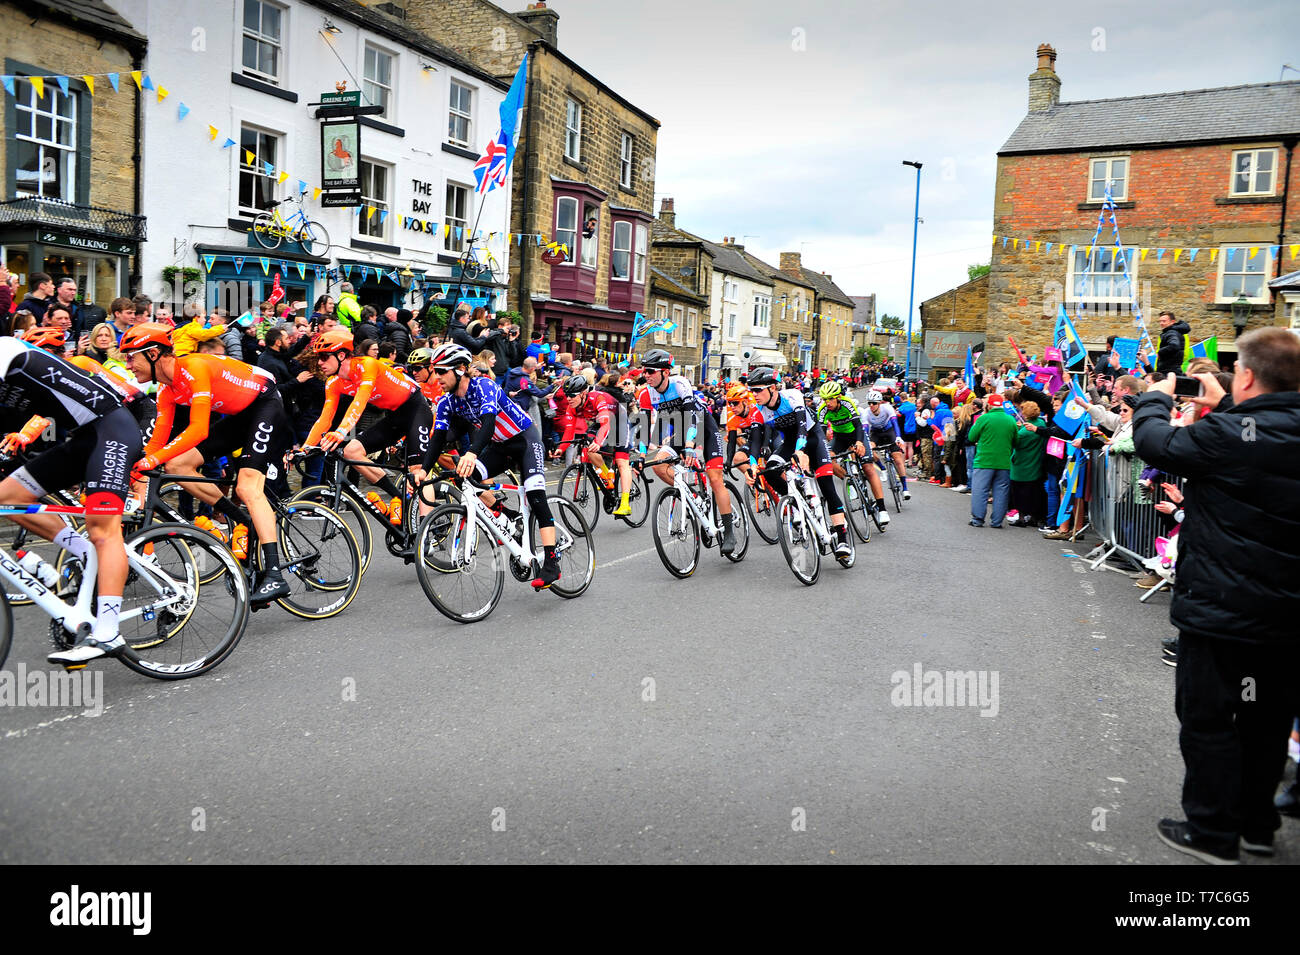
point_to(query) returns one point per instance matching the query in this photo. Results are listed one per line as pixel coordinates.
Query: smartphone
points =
(1186, 386)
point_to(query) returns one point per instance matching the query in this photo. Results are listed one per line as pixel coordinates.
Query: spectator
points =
(66, 295)
(143, 308)
(348, 309)
(993, 435)
(1235, 601)
(1028, 497)
(187, 335)
(522, 387)
(123, 312)
(398, 332)
(40, 295)
(1173, 344)
(324, 307)
(458, 331)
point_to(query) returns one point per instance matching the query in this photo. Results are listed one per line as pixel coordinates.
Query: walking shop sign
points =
(948, 349)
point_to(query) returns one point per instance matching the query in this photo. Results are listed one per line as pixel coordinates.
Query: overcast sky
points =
(802, 149)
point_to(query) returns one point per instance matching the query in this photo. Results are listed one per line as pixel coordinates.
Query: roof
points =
(93, 16)
(774, 273)
(396, 30)
(1285, 282)
(661, 232)
(825, 288)
(1257, 111)
(674, 286)
(732, 262)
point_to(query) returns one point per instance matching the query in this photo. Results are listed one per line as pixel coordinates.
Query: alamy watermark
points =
(83, 689)
(921, 687)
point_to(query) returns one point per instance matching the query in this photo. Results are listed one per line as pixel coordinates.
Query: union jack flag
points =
(490, 170)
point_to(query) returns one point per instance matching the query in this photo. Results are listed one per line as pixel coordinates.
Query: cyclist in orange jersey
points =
(369, 382)
(255, 420)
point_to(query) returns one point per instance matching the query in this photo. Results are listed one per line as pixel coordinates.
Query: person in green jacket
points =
(1028, 496)
(348, 309)
(993, 435)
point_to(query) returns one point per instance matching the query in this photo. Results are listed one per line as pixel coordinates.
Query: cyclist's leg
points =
(268, 435)
(711, 446)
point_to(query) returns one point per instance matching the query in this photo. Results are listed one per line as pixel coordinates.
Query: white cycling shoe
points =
(85, 651)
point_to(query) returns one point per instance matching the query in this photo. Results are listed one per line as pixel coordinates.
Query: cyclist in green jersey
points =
(842, 414)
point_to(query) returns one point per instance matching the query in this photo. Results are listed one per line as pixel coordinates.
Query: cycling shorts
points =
(842, 442)
(412, 420)
(621, 452)
(524, 451)
(99, 453)
(263, 430)
(884, 439)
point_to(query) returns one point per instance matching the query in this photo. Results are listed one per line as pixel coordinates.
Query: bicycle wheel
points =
(576, 486)
(314, 239)
(6, 628)
(798, 541)
(573, 544)
(739, 524)
(319, 558)
(857, 507)
(676, 534)
(896, 488)
(185, 604)
(761, 501)
(464, 589)
(351, 509)
(638, 497)
(265, 232)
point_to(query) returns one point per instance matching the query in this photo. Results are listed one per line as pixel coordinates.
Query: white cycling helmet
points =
(449, 355)
(874, 396)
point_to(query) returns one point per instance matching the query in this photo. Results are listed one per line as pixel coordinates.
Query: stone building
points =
(831, 318)
(1204, 185)
(953, 320)
(792, 306)
(72, 152)
(583, 175)
(681, 267)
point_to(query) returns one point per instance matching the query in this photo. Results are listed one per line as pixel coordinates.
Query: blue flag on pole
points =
(1067, 339)
(970, 368)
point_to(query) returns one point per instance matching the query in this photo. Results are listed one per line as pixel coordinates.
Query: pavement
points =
(736, 716)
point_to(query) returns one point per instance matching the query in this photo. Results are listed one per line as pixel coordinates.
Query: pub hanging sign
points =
(340, 162)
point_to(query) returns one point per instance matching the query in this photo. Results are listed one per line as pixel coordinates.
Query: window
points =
(692, 320)
(1252, 172)
(661, 316)
(457, 216)
(375, 178)
(622, 259)
(566, 224)
(678, 325)
(377, 82)
(590, 243)
(1101, 278)
(1241, 273)
(263, 27)
(46, 142)
(730, 291)
(625, 162)
(762, 312)
(638, 274)
(458, 119)
(573, 130)
(256, 188)
(1114, 171)
(731, 326)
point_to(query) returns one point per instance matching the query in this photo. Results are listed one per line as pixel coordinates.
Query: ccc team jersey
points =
(206, 383)
(370, 382)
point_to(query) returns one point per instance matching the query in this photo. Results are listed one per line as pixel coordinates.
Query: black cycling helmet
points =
(656, 359)
(575, 385)
(761, 378)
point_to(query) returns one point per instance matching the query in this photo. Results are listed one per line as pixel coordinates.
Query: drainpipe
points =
(1281, 225)
(137, 63)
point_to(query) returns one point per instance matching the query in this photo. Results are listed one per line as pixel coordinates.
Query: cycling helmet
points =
(830, 390)
(449, 355)
(419, 358)
(656, 359)
(47, 338)
(146, 335)
(575, 385)
(762, 378)
(739, 392)
(874, 397)
(333, 341)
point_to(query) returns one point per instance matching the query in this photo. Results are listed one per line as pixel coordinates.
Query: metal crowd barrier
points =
(1122, 511)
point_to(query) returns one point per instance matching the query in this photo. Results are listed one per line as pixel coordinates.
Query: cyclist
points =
(742, 417)
(882, 421)
(368, 381)
(840, 412)
(790, 428)
(500, 434)
(678, 419)
(102, 442)
(586, 407)
(254, 420)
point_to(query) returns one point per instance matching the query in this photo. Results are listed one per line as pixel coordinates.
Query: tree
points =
(975, 271)
(890, 321)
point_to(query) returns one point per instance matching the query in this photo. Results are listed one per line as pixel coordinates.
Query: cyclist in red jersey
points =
(255, 420)
(588, 406)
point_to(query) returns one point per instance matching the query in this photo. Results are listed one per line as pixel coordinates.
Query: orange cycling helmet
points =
(335, 340)
(146, 335)
(739, 392)
(47, 338)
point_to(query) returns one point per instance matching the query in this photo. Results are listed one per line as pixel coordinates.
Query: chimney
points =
(791, 262)
(666, 214)
(1044, 84)
(544, 21)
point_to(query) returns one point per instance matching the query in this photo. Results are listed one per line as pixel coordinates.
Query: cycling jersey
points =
(487, 408)
(205, 383)
(35, 382)
(129, 390)
(789, 415)
(677, 400)
(370, 382)
(601, 408)
(844, 419)
(745, 420)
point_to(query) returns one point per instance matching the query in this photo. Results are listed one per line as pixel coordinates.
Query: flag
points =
(209, 261)
(1207, 349)
(494, 165)
(1067, 339)
(1072, 416)
(970, 367)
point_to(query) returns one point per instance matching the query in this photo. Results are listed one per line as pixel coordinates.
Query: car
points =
(885, 384)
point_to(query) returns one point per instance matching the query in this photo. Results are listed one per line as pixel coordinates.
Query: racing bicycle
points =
(685, 509)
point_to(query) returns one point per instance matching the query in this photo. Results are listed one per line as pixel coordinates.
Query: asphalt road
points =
(530, 737)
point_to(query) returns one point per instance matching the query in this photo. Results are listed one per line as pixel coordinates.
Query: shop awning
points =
(765, 356)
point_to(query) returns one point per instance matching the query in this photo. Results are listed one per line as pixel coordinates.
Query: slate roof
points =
(1257, 111)
(826, 288)
(774, 273)
(1289, 281)
(733, 263)
(93, 16)
(674, 286)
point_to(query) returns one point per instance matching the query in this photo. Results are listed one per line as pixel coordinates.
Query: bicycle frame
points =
(683, 477)
(798, 482)
(522, 550)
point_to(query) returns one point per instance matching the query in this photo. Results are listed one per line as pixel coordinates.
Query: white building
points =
(251, 70)
(741, 307)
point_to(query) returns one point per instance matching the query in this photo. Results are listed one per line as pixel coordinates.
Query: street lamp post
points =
(911, 290)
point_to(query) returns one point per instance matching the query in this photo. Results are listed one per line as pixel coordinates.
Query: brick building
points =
(1205, 188)
(681, 267)
(583, 174)
(831, 318)
(72, 201)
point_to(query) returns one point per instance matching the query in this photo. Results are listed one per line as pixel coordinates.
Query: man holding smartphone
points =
(1235, 602)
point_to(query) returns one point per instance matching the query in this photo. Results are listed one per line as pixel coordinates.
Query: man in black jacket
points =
(457, 332)
(1235, 600)
(1173, 344)
(39, 296)
(398, 332)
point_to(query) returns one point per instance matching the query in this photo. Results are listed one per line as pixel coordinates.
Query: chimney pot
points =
(1044, 84)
